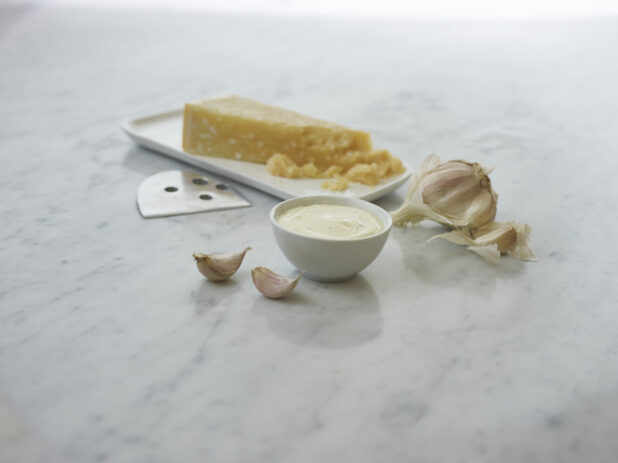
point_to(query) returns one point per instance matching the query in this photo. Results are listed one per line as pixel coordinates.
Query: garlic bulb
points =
(493, 240)
(219, 267)
(271, 284)
(455, 193)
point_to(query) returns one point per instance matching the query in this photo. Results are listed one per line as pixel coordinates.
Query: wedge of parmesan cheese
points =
(290, 144)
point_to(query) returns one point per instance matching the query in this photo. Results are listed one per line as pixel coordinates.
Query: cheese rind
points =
(240, 128)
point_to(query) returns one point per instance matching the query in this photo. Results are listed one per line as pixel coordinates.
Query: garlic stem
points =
(411, 211)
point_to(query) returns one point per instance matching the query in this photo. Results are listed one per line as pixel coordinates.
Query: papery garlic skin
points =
(489, 252)
(271, 284)
(219, 267)
(501, 237)
(522, 249)
(455, 193)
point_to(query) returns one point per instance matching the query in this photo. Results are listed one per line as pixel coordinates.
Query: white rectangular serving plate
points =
(163, 133)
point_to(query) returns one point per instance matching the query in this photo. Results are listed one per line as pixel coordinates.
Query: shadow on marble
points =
(210, 294)
(148, 162)
(11, 14)
(569, 431)
(392, 200)
(445, 264)
(325, 315)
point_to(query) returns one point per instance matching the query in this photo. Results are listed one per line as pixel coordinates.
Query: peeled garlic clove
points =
(455, 193)
(501, 237)
(219, 267)
(271, 284)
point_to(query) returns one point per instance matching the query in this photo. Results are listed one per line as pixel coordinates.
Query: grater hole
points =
(171, 189)
(222, 186)
(200, 181)
(205, 197)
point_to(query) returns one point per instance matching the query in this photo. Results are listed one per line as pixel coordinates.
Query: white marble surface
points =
(113, 348)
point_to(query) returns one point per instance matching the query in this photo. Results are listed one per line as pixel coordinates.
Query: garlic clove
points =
(219, 267)
(272, 285)
(507, 237)
(460, 191)
(454, 193)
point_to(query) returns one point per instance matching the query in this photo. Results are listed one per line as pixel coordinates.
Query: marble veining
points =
(114, 348)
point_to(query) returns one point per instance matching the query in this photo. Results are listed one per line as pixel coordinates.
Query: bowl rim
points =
(382, 215)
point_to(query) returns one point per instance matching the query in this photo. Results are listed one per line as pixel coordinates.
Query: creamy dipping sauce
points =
(331, 221)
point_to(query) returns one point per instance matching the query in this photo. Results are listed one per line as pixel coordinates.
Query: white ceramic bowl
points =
(328, 259)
